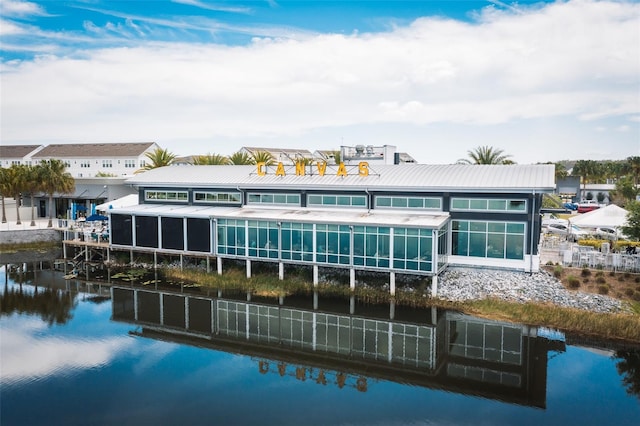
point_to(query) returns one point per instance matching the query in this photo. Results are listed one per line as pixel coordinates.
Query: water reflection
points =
(332, 343)
(628, 366)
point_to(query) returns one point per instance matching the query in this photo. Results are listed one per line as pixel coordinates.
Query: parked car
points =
(609, 233)
(549, 218)
(587, 206)
(571, 206)
(571, 232)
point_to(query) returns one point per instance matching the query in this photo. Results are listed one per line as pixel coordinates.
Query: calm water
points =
(77, 354)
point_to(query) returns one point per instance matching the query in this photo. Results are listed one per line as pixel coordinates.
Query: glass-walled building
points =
(410, 219)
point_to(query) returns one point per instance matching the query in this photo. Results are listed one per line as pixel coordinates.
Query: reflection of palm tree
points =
(486, 155)
(54, 178)
(53, 306)
(158, 158)
(629, 368)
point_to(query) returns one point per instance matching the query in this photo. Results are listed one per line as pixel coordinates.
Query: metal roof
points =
(403, 177)
(99, 150)
(17, 151)
(345, 217)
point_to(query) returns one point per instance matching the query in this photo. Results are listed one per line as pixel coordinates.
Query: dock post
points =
(392, 283)
(155, 259)
(315, 275)
(352, 279)
(248, 268)
(281, 271)
(219, 262)
(208, 264)
(434, 286)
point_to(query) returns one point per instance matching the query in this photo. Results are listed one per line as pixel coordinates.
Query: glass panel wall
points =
(413, 249)
(371, 246)
(231, 237)
(395, 202)
(495, 205)
(499, 240)
(263, 239)
(332, 200)
(333, 244)
(297, 241)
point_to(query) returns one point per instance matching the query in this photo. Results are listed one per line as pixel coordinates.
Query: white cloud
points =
(15, 8)
(213, 6)
(574, 60)
(25, 360)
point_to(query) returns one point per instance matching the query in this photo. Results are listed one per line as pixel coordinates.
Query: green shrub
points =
(603, 289)
(557, 271)
(600, 274)
(601, 280)
(586, 272)
(573, 281)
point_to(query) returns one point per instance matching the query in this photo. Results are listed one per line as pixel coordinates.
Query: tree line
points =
(49, 177)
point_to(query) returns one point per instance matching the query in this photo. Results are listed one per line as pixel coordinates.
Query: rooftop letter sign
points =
(319, 168)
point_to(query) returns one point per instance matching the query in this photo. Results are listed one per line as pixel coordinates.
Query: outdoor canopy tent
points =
(126, 201)
(611, 216)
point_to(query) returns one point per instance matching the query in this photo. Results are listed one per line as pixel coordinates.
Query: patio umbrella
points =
(96, 218)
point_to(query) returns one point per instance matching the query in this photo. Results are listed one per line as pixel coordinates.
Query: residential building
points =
(98, 159)
(17, 154)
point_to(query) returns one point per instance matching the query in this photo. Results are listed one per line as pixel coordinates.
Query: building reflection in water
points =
(335, 345)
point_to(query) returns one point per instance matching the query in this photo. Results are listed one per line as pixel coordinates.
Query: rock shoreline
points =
(462, 284)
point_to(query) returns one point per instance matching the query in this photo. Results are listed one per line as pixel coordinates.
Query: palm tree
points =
(241, 158)
(587, 170)
(16, 181)
(264, 157)
(210, 160)
(634, 165)
(54, 178)
(33, 184)
(4, 190)
(486, 155)
(158, 158)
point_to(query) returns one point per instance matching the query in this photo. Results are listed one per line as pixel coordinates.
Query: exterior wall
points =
(27, 236)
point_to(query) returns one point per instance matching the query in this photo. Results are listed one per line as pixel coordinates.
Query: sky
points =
(541, 80)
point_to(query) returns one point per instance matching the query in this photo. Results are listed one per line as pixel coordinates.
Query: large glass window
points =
(371, 246)
(198, 235)
(231, 237)
(217, 197)
(277, 199)
(166, 196)
(495, 205)
(499, 240)
(297, 241)
(396, 202)
(333, 200)
(263, 239)
(172, 233)
(333, 244)
(147, 231)
(413, 249)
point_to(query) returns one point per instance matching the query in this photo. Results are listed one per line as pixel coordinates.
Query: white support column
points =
(185, 239)
(352, 305)
(161, 309)
(159, 232)
(281, 271)
(315, 300)
(315, 275)
(181, 260)
(155, 259)
(434, 286)
(392, 283)
(352, 279)
(248, 265)
(208, 264)
(131, 256)
(392, 309)
(219, 262)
